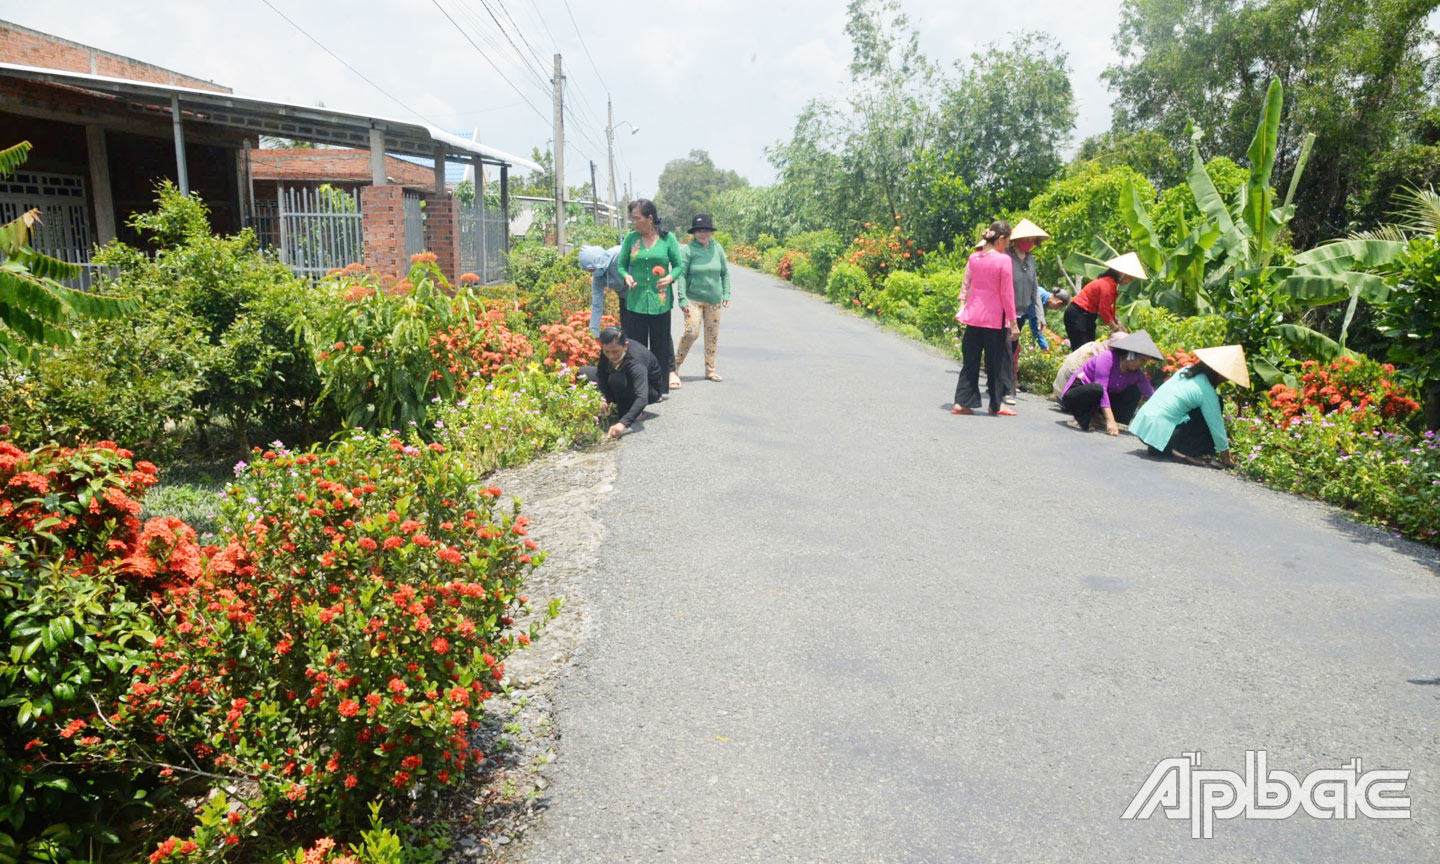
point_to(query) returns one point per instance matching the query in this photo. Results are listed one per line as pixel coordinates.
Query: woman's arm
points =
(624, 265)
(681, 280)
(724, 274)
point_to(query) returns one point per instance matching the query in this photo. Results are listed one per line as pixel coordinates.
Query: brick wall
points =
(26, 47)
(442, 233)
(334, 166)
(383, 210)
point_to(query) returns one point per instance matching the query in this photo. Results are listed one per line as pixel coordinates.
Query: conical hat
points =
(1128, 264)
(1139, 342)
(1027, 230)
(979, 244)
(1228, 360)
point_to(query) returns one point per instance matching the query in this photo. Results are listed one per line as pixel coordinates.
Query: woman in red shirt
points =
(1097, 300)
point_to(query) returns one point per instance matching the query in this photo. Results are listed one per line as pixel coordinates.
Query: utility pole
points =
(559, 157)
(594, 195)
(610, 143)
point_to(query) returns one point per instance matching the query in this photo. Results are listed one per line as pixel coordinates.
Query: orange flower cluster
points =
(786, 268)
(570, 343)
(1346, 384)
(479, 348)
(1178, 360)
(879, 251)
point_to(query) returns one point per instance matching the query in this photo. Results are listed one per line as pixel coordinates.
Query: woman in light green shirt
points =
(1184, 418)
(702, 291)
(650, 264)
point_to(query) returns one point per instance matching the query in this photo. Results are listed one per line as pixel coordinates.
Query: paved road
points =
(842, 625)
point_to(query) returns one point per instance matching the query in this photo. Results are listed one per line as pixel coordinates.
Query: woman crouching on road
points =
(1184, 419)
(989, 319)
(649, 264)
(1112, 383)
(702, 290)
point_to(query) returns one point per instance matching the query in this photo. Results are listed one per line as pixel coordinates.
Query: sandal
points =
(959, 409)
(1002, 412)
(713, 376)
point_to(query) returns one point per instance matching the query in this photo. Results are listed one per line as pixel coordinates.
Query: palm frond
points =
(13, 157)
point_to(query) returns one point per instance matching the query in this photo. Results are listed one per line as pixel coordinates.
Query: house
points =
(107, 128)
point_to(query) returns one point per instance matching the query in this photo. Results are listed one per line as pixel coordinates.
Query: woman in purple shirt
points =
(1111, 383)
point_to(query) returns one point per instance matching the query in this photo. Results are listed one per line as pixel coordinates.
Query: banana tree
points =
(34, 307)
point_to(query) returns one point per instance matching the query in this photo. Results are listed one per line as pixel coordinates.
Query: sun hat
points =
(701, 222)
(1138, 342)
(979, 244)
(1128, 264)
(1027, 230)
(1228, 360)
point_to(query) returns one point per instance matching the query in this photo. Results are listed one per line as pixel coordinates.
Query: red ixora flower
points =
(349, 708)
(440, 645)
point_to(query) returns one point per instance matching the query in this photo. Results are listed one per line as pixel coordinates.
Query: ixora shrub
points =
(386, 349)
(880, 251)
(570, 343)
(340, 646)
(523, 412)
(77, 571)
(1344, 385)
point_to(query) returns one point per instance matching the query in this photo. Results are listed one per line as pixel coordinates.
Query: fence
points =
(482, 240)
(320, 230)
(414, 224)
(63, 231)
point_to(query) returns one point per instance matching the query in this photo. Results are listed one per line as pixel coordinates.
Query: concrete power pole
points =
(559, 157)
(594, 195)
(610, 143)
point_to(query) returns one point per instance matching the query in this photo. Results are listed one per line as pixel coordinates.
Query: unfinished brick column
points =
(382, 209)
(442, 232)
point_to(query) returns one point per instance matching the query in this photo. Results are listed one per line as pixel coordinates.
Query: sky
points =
(726, 77)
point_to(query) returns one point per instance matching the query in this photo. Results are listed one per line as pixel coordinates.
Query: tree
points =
(1147, 151)
(689, 186)
(1355, 71)
(1002, 123)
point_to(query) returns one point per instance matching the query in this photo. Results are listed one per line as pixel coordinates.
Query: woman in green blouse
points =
(702, 290)
(650, 263)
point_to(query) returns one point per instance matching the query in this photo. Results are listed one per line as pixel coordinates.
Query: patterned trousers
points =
(695, 314)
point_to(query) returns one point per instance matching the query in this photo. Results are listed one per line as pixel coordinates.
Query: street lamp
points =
(610, 143)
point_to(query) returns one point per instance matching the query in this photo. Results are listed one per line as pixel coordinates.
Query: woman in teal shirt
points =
(1184, 419)
(650, 263)
(702, 291)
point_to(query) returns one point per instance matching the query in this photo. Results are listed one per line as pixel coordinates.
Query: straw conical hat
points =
(1138, 342)
(979, 244)
(1027, 230)
(1128, 264)
(1228, 360)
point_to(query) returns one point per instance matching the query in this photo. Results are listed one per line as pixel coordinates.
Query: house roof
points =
(269, 117)
(335, 166)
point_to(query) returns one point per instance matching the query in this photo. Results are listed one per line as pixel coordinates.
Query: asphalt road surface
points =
(841, 625)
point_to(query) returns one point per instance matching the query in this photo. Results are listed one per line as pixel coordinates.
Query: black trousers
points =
(653, 331)
(627, 319)
(1079, 326)
(1083, 402)
(1191, 437)
(994, 343)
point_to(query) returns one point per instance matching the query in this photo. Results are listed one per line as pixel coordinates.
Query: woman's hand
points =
(1112, 428)
(629, 281)
(664, 281)
(617, 430)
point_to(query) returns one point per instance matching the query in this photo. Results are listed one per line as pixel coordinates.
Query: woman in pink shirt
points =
(989, 319)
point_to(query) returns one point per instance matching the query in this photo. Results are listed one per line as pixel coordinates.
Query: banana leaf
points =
(1259, 197)
(1142, 231)
(1313, 343)
(1364, 254)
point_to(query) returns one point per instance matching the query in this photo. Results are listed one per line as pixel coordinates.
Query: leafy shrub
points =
(534, 265)
(1037, 368)
(77, 568)
(523, 412)
(1079, 206)
(745, 256)
(823, 247)
(878, 251)
(766, 242)
(806, 275)
(1171, 332)
(845, 284)
(239, 304)
(785, 269)
(936, 309)
(770, 260)
(339, 648)
(134, 380)
(725, 239)
(1411, 320)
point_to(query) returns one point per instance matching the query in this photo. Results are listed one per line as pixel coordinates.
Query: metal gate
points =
(320, 230)
(64, 229)
(414, 223)
(482, 240)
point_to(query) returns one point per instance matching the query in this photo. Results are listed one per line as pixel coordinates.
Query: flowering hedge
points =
(880, 251)
(1346, 384)
(335, 650)
(570, 343)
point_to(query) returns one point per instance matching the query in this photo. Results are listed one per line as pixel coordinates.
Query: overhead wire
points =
(478, 50)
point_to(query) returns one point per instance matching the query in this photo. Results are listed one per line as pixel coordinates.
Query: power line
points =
(488, 60)
(322, 47)
(538, 78)
(586, 46)
(520, 33)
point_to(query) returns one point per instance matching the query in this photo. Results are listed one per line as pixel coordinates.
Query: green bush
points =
(1037, 369)
(845, 284)
(134, 380)
(766, 242)
(770, 261)
(936, 310)
(805, 274)
(1411, 320)
(258, 378)
(1171, 332)
(523, 412)
(533, 265)
(824, 248)
(587, 233)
